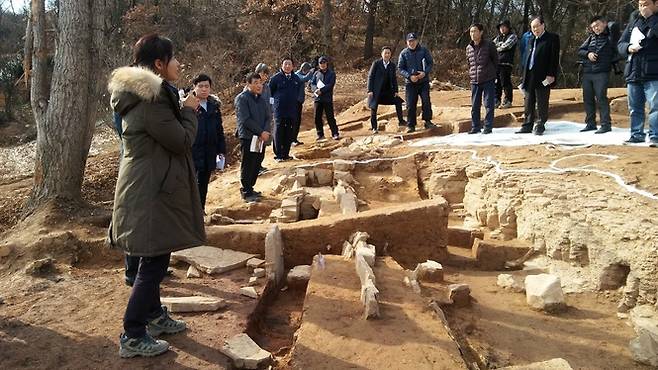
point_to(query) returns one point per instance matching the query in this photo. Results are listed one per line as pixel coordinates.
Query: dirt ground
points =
(71, 319)
(505, 331)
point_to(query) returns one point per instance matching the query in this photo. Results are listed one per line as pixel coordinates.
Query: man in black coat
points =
(210, 145)
(597, 54)
(539, 76)
(506, 46)
(639, 44)
(383, 88)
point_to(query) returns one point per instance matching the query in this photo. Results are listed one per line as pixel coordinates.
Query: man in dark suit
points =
(383, 88)
(540, 72)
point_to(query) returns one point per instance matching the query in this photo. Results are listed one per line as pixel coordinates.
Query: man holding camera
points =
(597, 54)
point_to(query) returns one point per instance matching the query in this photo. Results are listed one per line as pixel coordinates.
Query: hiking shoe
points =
(375, 131)
(402, 123)
(262, 170)
(474, 131)
(603, 130)
(524, 131)
(335, 137)
(589, 128)
(486, 131)
(320, 138)
(653, 143)
(634, 140)
(411, 129)
(505, 105)
(164, 324)
(297, 143)
(429, 125)
(145, 346)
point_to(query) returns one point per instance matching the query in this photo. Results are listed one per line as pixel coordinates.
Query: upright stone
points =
(544, 292)
(274, 255)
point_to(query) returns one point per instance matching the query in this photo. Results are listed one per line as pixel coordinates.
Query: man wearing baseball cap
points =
(415, 65)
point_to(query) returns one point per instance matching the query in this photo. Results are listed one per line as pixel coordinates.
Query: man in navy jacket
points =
(284, 87)
(415, 65)
(210, 142)
(322, 85)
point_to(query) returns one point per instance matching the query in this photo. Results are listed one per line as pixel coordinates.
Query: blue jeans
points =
(489, 90)
(640, 94)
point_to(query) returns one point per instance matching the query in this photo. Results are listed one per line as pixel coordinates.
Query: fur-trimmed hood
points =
(130, 85)
(139, 81)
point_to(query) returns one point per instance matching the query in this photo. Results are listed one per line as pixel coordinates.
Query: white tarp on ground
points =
(557, 132)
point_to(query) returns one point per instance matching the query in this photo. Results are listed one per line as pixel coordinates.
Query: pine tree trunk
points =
(326, 25)
(370, 29)
(65, 120)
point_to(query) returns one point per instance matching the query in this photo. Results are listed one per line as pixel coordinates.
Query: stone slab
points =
(492, 254)
(463, 237)
(212, 260)
(554, 364)
(192, 304)
(245, 353)
(255, 263)
(249, 291)
(408, 335)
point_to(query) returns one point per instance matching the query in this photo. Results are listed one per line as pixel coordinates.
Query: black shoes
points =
(603, 130)
(411, 129)
(486, 131)
(634, 140)
(429, 125)
(589, 128)
(539, 130)
(474, 131)
(653, 143)
(524, 130)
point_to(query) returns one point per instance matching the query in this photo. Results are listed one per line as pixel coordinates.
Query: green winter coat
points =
(157, 209)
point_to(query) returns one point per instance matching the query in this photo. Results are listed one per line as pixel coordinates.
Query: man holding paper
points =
(209, 148)
(540, 72)
(253, 120)
(639, 44)
(322, 85)
(415, 65)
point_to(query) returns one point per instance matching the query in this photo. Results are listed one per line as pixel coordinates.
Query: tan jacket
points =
(157, 209)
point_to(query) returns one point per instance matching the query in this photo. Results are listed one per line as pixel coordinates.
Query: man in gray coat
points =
(253, 121)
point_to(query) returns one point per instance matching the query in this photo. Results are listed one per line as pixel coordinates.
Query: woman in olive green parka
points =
(156, 204)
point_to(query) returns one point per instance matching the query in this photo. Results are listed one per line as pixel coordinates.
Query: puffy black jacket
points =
(482, 61)
(643, 65)
(602, 46)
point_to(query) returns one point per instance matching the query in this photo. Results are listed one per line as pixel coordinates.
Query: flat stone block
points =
(192, 304)
(212, 260)
(245, 353)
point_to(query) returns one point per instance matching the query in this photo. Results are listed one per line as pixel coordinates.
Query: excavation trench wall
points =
(594, 234)
(410, 233)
